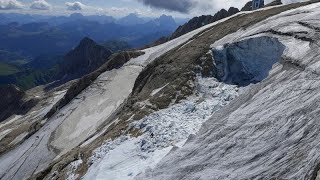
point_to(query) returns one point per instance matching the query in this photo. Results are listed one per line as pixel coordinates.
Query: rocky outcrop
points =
(247, 6)
(12, 102)
(200, 21)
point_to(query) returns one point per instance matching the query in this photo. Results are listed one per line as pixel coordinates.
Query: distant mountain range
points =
(131, 19)
(196, 23)
(31, 43)
(60, 34)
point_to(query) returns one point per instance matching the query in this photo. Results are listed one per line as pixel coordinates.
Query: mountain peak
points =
(76, 16)
(85, 58)
(131, 19)
(165, 16)
(87, 41)
(233, 10)
(132, 15)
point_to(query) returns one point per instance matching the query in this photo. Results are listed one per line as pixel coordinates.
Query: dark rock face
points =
(12, 102)
(85, 58)
(198, 22)
(247, 6)
(166, 21)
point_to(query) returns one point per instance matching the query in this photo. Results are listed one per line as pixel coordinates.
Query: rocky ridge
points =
(200, 21)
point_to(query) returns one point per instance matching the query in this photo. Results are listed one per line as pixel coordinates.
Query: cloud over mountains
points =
(185, 6)
(10, 4)
(75, 6)
(40, 5)
(182, 6)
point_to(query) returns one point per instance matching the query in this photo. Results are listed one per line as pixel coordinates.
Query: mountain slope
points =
(13, 102)
(128, 119)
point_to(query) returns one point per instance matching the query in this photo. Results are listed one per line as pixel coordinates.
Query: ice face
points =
(247, 61)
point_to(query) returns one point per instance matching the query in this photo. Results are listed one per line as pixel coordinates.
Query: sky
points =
(120, 8)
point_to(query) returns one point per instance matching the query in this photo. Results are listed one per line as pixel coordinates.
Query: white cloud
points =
(200, 7)
(40, 5)
(10, 4)
(75, 6)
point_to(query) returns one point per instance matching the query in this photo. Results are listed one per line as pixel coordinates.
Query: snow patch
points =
(71, 174)
(156, 91)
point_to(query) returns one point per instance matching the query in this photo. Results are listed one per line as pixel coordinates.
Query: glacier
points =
(271, 131)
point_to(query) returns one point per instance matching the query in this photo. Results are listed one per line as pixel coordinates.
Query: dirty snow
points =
(71, 174)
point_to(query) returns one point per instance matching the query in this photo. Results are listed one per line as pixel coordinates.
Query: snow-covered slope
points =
(272, 130)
